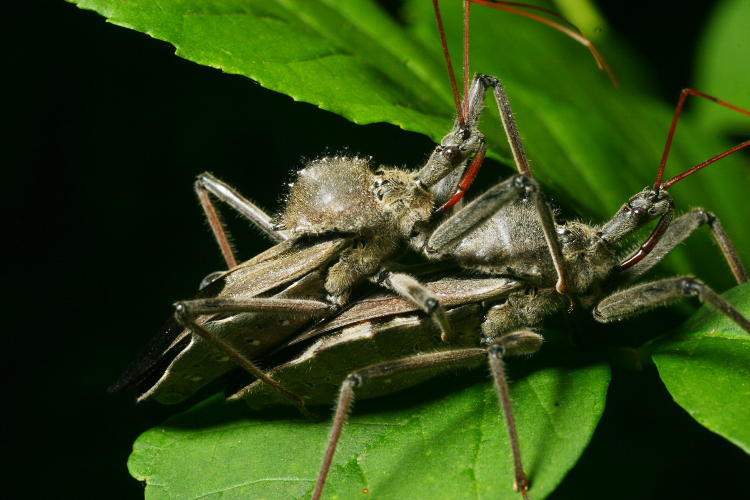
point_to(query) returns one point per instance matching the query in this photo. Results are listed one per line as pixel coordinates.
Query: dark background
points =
(106, 132)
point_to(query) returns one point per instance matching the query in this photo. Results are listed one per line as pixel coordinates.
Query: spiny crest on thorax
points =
(327, 196)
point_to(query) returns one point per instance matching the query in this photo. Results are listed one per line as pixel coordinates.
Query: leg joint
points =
(354, 380)
(496, 350)
(709, 217)
(431, 305)
(381, 277)
(180, 310)
(524, 183)
(489, 80)
(691, 286)
(200, 180)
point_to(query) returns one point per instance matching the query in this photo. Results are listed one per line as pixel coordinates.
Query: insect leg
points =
(679, 230)
(361, 260)
(187, 311)
(522, 341)
(475, 104)
(411, 289)
(506, 116)
(455, 358)
(646, 296)
(486, 205)
(206, 184)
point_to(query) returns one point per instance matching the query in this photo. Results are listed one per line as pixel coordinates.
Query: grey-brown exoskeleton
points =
(343, 220)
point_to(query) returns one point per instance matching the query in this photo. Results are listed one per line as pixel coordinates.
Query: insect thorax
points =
(512, 244)
(343, 194)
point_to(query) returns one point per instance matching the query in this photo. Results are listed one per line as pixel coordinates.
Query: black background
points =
(106, 132)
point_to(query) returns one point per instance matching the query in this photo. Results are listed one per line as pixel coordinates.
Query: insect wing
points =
(380, 328)
(178, 363)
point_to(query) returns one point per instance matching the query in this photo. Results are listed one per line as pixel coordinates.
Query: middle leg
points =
(520, 342)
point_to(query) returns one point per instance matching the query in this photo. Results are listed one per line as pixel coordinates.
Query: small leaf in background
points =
(706, 367)
(439, 442)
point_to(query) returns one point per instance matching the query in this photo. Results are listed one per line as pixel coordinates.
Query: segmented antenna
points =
(467, 6)
(666, 219)
(514, 8)
(571, 30)
(449, 64)
(680, 103)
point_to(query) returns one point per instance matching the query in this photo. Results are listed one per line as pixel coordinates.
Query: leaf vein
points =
(250, 483)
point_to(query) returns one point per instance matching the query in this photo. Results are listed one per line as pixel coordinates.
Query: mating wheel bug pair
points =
(344, 221)
(517, 205)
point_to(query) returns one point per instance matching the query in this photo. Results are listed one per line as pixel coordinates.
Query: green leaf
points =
(591, 145)
(443, 440)
(706, 367)
(723, 67)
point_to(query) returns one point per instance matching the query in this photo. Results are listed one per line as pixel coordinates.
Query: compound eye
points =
(638, 212)
(450, 153)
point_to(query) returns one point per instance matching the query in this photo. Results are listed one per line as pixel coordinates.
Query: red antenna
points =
(467, 6)
(514, 8)
(680, 103)
(570, 30)
(448, 63)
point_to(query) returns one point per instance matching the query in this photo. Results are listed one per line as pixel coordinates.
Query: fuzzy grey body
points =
(508, 245)
(332, 194)
(366, 214)
(379, 209)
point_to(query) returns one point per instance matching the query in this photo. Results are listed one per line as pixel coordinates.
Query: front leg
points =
(646, 296)
(677, 232)
(520, 342)
(475, 101)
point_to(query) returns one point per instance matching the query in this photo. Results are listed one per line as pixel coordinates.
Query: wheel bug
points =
(344, 221)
